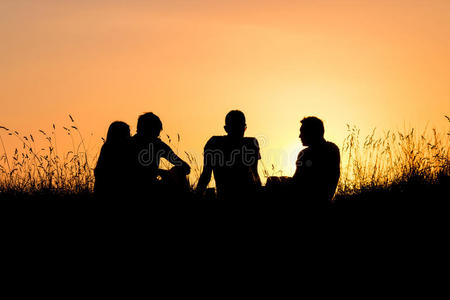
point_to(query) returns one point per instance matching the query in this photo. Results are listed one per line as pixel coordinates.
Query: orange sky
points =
(370, 63)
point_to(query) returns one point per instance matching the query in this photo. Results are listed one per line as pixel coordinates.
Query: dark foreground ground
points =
(412, 202)
(404, 227)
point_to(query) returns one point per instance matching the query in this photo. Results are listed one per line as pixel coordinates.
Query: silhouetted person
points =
(318, 166)
(148, 149)
(233, 159)
(113, 166)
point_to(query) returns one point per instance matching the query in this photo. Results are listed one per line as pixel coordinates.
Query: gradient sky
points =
(369, 63)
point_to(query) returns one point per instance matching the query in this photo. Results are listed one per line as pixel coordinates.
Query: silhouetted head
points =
(235, 123)
(117, 132)
(311, 131)
(149, 125)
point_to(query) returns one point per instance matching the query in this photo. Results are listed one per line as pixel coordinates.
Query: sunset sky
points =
(383, 64)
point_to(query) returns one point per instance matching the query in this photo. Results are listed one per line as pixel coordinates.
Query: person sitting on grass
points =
(233, 159)
(318, 166)
(113, 165)
(148, 149)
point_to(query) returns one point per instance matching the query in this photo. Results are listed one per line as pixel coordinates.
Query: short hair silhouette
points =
(235, 123)
(313, 126)
(118, 131)
(149, 124)
(235, 117)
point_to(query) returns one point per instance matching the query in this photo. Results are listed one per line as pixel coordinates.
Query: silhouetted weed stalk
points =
(368, 163)
(31, 168)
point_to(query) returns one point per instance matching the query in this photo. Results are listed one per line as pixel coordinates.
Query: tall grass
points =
(408, 156)
(371, 162)
(33, 168)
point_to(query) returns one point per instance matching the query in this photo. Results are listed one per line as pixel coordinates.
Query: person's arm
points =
(336, 171)
(254, 166)
(205, 177)
(299, 174)
(255, 174)
(204, 180)
(176, 160)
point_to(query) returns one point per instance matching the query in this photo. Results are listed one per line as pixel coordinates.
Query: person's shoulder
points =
(135, 139)
(250, 139)
(304, 151)
(158, 141)
(216, 138)
(136, 143)
(140, 141)
(332, 146)
(107, 147)
(333, 150)
(215, 141)
(160, 144)
(104, 146)
(251, 142)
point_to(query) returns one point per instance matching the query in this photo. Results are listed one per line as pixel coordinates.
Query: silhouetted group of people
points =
(129, 166)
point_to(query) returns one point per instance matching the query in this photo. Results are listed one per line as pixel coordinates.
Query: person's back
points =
(233, 172)
(317, 171)
(234, 161)
(113, 168)
(318, 166)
